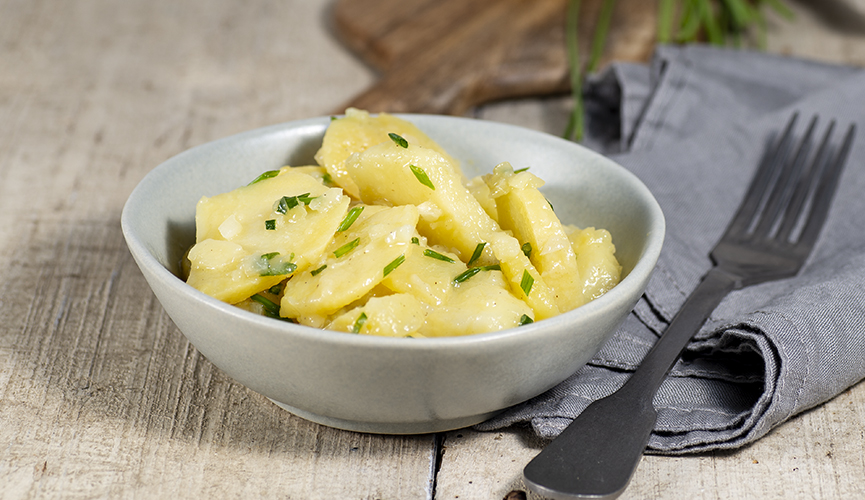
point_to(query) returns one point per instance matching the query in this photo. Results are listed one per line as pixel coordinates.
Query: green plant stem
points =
(602, 28)
(719, 22)
(574, 129)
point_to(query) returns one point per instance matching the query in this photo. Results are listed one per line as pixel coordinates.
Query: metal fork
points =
(769, 238)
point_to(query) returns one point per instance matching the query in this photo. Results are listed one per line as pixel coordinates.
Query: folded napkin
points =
(693, 126)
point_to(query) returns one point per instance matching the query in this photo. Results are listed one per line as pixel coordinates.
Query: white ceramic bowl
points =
(394, 385)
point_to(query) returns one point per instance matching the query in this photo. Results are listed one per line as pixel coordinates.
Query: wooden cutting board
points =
(446, 56)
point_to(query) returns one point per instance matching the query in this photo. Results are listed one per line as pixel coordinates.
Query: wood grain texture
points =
(451, 55)
(815, 455)
(100, 395)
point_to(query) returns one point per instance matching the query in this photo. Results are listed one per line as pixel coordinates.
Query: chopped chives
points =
(349, 219)
(429, 252)
(398, 140)
(465, 275)
(270, 224)
(527, 282)
(265, 175)
(395, 263)
(327, 179)
(358, 323)
(422, 176)
(286, 203)
(525, 319)
(271, 308)
(415, 240)
(275, 289)
(315, 272)
(266, 266)
(348, 247)
(521, 170)
(479, 249)
(527, 249)
(468, 273)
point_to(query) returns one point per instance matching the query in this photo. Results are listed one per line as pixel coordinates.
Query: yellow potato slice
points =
(398, 315)
(428, 279)
(359, 130)
(521, 275)
(596, 257)
(234, 254)
(450, 216)
(480, 304)
(355, 261)
(524, 210)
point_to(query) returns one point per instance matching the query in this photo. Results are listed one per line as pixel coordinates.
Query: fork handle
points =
(596, 455)
(716, 284)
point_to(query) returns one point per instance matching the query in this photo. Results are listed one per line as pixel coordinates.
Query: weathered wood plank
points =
(100, 394)
(815, 455)
(104, 397)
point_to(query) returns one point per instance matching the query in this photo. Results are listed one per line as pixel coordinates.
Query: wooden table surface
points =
(102, 397)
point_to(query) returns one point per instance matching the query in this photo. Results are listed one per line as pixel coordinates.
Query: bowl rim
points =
(643, 267)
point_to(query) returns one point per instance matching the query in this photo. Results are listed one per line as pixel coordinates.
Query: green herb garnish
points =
(266, 175)
(348, 247)
(521, 170)
(525, 319)
(527, 249)
(315, 272)
(415, 240)
(358, 323)
(479, 249)
(275, 289)
(468, 273)
(429, 252)
(286, 203)
(349, 219)
(270, 224)
(268, 267)
(393, 265)
(398, 140)
(422, 176)
(271, 308)
(527, 282)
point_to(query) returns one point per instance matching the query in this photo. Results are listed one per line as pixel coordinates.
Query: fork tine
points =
(782, 190)
(805, 185)
(766, 172)
(825, 191)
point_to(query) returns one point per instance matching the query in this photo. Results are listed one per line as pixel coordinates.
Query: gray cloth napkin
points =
(693, 126)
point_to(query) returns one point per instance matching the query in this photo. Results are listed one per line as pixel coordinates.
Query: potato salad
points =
(385, 236)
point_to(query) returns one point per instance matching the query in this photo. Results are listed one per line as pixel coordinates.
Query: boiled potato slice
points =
(522, 275)
(245, 245)
(428, 279)
(315, 171)
(480, 304)
(355, 262)
(450, 216)
(356, 132)
(599, 269)
(398, 315)
(481, 191)
(524, 210)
